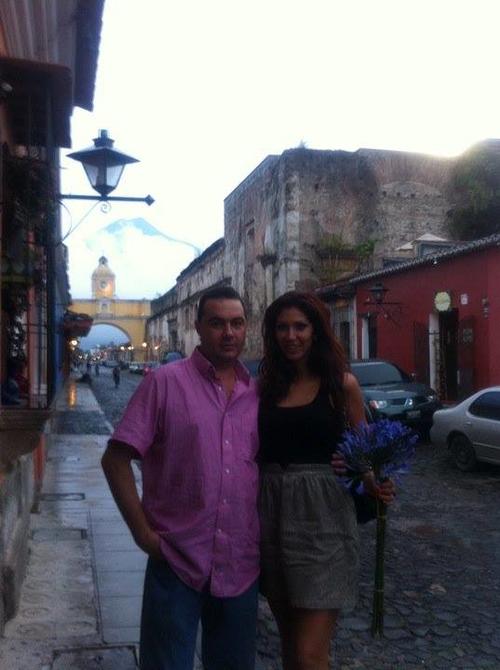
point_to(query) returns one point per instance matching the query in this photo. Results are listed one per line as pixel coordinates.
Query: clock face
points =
(442, 301)
(103, 283)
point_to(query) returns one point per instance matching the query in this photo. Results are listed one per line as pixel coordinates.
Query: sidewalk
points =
(81, 600)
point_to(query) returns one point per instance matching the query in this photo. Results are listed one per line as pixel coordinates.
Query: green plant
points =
(339, 259)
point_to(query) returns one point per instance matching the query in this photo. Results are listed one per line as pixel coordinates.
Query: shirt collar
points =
(205, 367)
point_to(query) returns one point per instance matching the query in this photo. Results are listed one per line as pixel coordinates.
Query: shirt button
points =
(224, 500)
(228, 471)
(219, 530)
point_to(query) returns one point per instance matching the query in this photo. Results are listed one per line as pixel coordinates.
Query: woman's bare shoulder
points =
(350, 382)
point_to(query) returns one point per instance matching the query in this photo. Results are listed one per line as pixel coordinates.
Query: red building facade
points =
(437, 317)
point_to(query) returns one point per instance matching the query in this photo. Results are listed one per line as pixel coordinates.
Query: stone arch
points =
(114, 324)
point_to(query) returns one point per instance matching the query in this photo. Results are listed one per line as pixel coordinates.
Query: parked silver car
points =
(471, 429)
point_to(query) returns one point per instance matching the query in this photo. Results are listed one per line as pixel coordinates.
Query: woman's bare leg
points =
(305, 635)
(283, 614)
(313, 631)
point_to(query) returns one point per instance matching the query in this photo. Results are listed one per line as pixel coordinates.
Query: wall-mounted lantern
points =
(388, 309)
(378, 292)
(104, 166)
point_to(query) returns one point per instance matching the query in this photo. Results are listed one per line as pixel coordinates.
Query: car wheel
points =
(463, 453)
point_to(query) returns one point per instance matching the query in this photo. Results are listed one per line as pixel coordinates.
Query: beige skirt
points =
(309, 538)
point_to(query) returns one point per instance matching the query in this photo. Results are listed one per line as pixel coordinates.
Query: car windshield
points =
(374, 374)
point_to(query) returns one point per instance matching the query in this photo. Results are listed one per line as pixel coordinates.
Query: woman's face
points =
(294, 334)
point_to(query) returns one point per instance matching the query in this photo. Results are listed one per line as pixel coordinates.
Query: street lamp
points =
(389, 310)
(103, 166)
(378, 292)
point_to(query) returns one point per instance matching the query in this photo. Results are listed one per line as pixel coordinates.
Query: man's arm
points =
(117, 466)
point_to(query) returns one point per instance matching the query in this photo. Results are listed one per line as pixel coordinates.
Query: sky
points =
(201, 92)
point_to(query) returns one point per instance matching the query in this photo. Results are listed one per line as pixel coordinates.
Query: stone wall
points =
(16, 500)
(278, 218)
(204, 272)
(162, 327)
(254, 233)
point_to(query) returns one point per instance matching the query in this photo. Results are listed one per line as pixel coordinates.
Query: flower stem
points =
(378, 593)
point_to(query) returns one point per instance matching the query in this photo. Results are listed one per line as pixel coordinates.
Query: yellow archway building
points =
(105, 308)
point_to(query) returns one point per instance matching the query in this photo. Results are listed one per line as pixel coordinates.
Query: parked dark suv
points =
(391, 393)
(171, 356)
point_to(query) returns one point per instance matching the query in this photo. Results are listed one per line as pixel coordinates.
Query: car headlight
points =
(378, 404)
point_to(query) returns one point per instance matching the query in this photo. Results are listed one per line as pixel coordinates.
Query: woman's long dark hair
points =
(326, 359)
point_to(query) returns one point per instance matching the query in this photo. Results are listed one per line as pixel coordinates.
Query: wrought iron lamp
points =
(104, 166)
(389, 310)
(378, 292)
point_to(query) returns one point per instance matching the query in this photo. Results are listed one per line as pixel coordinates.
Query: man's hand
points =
(149, 541)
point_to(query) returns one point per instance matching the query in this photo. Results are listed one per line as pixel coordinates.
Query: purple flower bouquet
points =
(386, 448)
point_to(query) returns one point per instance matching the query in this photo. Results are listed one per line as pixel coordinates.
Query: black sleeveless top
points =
(304, 434)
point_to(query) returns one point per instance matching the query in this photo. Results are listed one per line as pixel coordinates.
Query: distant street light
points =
(103, 166)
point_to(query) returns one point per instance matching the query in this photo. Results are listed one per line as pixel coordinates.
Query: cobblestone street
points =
(442, 568)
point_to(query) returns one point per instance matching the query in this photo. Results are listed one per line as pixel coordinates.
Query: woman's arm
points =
(355, 414)
(354, 404)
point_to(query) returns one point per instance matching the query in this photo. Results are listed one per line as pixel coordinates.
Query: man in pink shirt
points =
(193, 424)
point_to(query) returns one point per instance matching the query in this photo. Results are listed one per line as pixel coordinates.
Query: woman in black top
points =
(309, 538)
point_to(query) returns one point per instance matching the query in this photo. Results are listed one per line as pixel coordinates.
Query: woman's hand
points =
(338, 464)
(384, 491)
(387, 491)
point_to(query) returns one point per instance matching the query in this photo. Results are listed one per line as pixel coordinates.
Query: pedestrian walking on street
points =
(116, 376)
(193, 424)
(309, 535)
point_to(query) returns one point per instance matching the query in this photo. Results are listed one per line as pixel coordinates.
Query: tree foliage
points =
(476, 186)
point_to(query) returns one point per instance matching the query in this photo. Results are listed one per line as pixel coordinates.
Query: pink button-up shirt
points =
(200, 479)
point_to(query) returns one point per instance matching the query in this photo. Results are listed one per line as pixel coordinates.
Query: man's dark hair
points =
(218, 293)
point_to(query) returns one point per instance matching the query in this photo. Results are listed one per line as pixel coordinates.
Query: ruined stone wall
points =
(411, 197)
(276, 220)
(203, 273)
(255, 253)
(161, 327)
(386, 196)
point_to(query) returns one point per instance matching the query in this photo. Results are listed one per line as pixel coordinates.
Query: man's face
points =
(222, 330)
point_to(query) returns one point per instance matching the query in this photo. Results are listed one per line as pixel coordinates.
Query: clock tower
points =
(103, 280)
